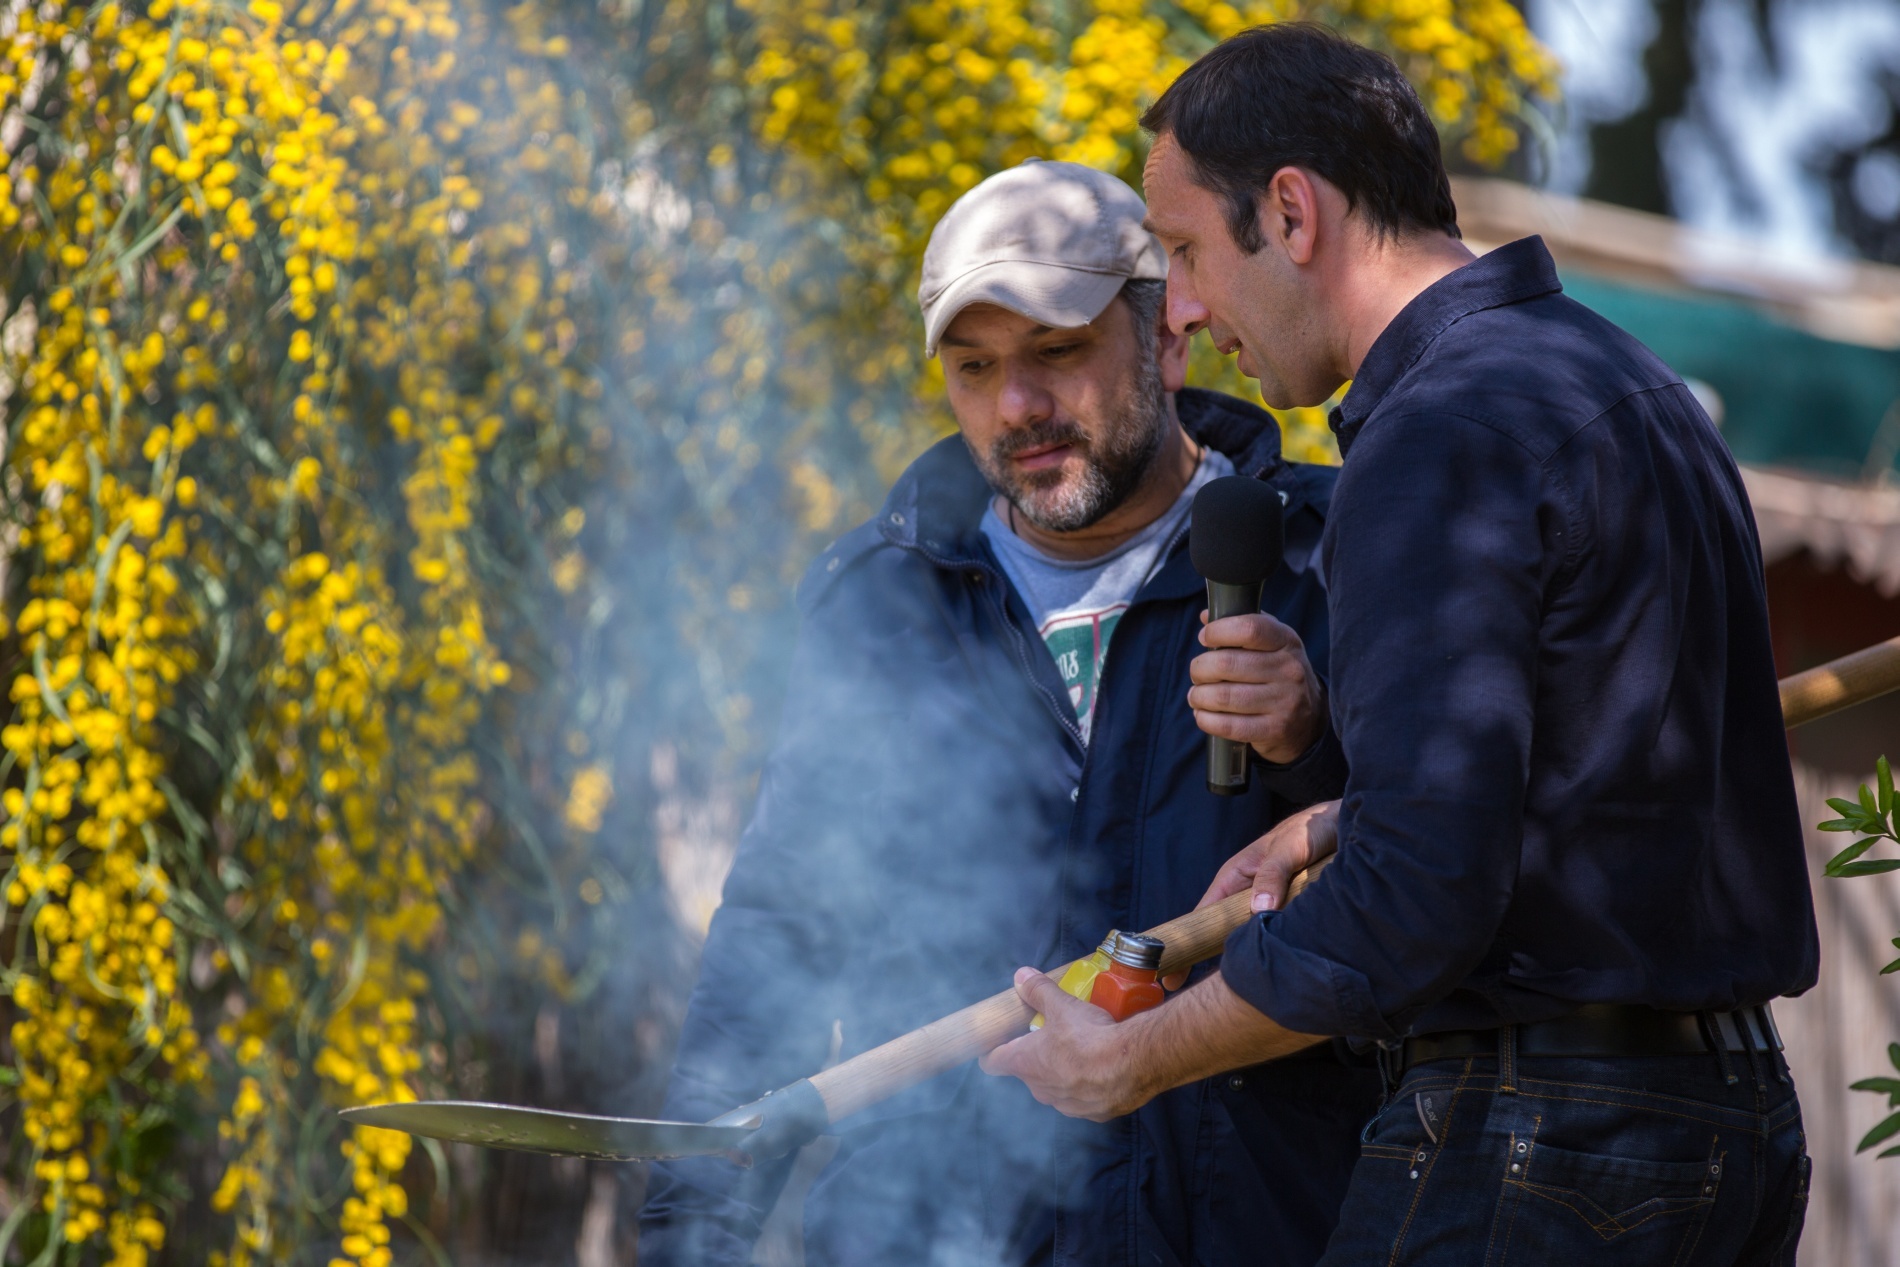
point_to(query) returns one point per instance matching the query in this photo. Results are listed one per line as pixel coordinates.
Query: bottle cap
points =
(1133, 950)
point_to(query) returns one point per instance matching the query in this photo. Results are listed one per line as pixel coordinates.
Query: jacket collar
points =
(1509, 275)
(937, 504)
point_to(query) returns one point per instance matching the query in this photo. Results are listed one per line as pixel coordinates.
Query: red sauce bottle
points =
(1131, 983)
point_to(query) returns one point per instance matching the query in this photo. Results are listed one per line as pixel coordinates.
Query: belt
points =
(1610, 1029)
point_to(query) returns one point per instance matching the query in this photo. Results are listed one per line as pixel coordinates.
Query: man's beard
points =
(1113, 465)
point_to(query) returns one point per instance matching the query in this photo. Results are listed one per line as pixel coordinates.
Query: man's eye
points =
(1060, 349)
(972, 367)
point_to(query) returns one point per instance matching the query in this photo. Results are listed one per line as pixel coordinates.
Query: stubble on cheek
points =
(1101, 471)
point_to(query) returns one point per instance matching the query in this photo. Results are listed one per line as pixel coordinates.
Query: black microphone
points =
(1236, 539)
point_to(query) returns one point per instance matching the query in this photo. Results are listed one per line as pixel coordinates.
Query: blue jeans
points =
(1659, 1160)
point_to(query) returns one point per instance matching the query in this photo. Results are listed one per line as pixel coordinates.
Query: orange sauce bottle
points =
(1132, 983)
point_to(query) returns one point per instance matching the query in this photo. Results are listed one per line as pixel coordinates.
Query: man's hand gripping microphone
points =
(1236, 540)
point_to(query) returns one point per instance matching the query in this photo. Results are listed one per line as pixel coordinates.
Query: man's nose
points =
(1186, 313)
(1024, 399)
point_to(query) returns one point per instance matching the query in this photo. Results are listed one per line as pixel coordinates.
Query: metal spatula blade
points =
(550, 1132)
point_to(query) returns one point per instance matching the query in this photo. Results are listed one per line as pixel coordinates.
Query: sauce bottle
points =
(1079, 980)
(1132, 982)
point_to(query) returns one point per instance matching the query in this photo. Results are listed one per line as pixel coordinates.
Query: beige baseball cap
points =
(1052, 241)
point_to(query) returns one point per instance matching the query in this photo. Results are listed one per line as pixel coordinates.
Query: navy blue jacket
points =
(1552, 677)
(929, 820)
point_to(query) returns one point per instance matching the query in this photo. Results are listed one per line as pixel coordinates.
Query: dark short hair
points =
(1296, 94)
(1144, 297)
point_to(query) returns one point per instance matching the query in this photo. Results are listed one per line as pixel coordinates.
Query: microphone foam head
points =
(1238, 530)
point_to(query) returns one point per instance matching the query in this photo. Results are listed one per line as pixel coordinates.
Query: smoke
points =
(733, 434)
(747, 414)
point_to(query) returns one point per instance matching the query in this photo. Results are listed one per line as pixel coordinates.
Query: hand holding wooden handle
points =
(1199, 935)
(944, 1044)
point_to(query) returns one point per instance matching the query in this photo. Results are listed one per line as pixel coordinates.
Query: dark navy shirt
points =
(1569, 780)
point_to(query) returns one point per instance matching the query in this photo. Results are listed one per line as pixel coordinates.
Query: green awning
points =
(1790, 398)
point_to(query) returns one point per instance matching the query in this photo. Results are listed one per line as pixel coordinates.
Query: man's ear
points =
(1171, 352)
(1289, 214)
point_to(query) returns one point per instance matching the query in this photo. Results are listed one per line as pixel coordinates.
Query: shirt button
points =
(897, 519)
(832, 566)
(1075, 794)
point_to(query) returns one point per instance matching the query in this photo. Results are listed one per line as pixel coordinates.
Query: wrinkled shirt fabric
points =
(1552, 678)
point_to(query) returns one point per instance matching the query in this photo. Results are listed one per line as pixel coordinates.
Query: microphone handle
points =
(1227, 759)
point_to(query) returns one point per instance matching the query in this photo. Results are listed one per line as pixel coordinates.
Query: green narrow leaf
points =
(102, 577)
(1892, 967)
(1835, 824)
(1850, 853)
(1842, 806)
(1890, 1152)
(1879, 867)
(1893, 1054)
(21, 1208)
(1881, 1086)
(151, 239)
(1883, 775)
(1867, 801)
(1880, 1134)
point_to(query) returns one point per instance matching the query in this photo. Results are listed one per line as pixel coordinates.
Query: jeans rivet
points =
(1716, 1169)
(1236, 1082)
(1523, 1147)
(1415, 1174)
(1515, 1167)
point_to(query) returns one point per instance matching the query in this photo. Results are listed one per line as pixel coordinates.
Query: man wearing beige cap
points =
(989, 754)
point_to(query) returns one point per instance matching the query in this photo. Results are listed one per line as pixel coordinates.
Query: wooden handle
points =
(911, 1058)
(1852, 679)
(982, 1027)
(1199, 935)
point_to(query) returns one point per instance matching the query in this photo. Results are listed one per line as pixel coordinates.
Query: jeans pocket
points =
(1572, 1203)
(1395, 1132)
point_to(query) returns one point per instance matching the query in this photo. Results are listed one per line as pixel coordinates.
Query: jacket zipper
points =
(1062, 710)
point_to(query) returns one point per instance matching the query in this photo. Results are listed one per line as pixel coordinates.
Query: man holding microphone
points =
(1569, 873)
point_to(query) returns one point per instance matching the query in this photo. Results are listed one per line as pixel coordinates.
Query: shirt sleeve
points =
(1318, 774)
(1443, 541)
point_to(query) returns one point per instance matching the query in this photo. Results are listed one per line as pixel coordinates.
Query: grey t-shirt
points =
(1077, 602)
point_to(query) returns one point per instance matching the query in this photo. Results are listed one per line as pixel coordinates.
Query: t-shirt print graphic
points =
(1079, 642)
